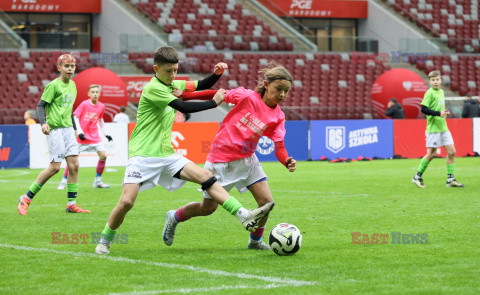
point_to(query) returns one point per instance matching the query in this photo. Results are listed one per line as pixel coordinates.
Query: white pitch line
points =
(211, 289)
(168, 265)
(19, 173)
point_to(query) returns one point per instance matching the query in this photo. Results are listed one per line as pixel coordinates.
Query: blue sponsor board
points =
(296, 143)
(351, 139)
(14, 150)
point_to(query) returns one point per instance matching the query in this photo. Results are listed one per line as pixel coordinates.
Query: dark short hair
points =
(393, 100)
(468, 95)
(165, 55)
(123, 109)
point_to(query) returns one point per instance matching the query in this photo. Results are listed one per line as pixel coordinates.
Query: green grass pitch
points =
(327, 202)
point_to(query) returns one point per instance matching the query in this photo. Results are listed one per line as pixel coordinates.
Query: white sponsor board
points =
(476, 135)
(117, 150)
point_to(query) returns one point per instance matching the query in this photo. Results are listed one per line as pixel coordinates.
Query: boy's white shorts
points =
(150, 172)
(240, 173)
(93, 147)
(438, 139)
(61, 144)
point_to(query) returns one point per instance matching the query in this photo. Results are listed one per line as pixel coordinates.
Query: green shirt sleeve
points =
(427, 98)
(49, 92)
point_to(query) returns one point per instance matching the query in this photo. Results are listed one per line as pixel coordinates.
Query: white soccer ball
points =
(285, 239)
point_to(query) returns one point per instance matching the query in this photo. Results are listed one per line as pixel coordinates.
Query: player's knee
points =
(209, 182)
(54, 168)
(206, 174)
(451, 153)
(73, 167)
(126, 204)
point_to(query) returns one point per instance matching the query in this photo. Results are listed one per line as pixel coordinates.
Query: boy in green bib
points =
(433, 106)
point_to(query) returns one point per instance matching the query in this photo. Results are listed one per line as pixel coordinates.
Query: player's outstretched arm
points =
(209, 81)
(199, 95)
(193, 106)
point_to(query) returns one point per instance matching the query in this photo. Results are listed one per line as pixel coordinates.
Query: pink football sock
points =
(180, 216)
(100, 167)
(65, 173)
(258, 233)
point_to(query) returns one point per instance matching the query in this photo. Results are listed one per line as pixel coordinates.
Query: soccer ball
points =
(285, 239)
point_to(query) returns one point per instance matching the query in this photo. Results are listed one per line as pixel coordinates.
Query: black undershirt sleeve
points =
(429, 112)
(42, 117)
(208, 82)
(192, 106)
(73, 122)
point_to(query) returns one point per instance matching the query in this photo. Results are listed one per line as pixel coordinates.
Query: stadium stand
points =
(23, 76)
(460, 72)
(327, 86)
(454, 22)
(197, 23)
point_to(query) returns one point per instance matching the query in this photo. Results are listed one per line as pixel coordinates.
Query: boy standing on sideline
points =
(153, 160)
(88, 115)
(433, 106)
(56, 118)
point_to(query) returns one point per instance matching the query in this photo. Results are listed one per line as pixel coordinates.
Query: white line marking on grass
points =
(20, 173)
(192, 290)
(214, 272)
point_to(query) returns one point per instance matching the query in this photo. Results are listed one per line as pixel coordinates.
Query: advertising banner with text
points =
(55, 6)
(296, 143)
(410, 137)
(14, 146)
(318, 8)
(351, 139)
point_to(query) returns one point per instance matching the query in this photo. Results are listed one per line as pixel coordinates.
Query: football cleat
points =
(169, 228)
(100, 184)
(256, 215)
(102, 248)
(454, 183)
(23, 203)
(258, 245)
(76, 209)
(418, 182)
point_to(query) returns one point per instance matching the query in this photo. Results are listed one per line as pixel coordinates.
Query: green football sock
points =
(108, 234)
(35, 188)
(232, 205)
(450, 168)
(423, 165)
(72, 189)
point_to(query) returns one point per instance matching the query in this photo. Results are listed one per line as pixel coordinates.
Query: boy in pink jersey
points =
(232, 158)
(88, 115)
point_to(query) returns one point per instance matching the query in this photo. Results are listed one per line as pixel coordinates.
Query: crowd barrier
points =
(305, 140)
